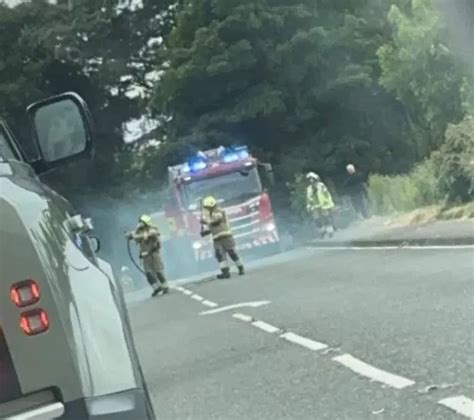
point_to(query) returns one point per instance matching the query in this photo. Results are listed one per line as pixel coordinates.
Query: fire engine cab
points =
(232, 176)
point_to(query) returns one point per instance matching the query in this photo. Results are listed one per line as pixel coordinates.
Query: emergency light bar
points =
(200, 161)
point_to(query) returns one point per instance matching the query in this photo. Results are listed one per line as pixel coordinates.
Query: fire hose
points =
(130, 254)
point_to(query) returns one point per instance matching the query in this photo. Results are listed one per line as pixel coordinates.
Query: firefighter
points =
(148, 238)
(319, 204)
(214, 222)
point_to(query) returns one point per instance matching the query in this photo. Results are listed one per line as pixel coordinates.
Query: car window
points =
(6, 152)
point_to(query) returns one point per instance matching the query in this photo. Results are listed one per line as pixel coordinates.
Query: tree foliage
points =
(297, 81)
(420, 68)
(102, 50)
(307, 85)
(455, 162)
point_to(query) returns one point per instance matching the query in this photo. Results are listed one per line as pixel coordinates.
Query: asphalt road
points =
(390, 337)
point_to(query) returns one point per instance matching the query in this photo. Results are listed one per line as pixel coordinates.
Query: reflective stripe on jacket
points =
(148, 239)
(319, 197)
(218, 224)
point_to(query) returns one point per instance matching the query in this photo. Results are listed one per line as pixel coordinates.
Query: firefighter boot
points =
(225, 274)
(163, 283)
(241, 270)
(157, 290)
(154, 284)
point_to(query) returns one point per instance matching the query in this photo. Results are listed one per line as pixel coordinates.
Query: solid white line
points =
(197, 297)
(265, 327)
(235, 306)
(187, 292)
(210, 304)
(372, 372)
(391, 247)
(303, 341)
(460, 404)
(242, 317)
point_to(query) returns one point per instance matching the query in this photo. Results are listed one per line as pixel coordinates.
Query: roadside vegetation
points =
(442, 184)
(307, 85)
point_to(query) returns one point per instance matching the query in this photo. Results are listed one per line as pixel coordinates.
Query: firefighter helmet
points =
(209, 202)
(312, 175)
(145, 219)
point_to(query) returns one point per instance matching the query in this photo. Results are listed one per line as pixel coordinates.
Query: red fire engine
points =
(232, 176)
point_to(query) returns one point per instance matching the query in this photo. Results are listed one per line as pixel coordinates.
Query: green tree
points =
(102, 50)
(423, 72)
(455, 162)
(297, 81)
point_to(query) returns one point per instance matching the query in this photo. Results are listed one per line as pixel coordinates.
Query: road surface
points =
(342, 334)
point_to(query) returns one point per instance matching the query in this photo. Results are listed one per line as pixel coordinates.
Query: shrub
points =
(447, 177)
(455, 163)
(400, 193)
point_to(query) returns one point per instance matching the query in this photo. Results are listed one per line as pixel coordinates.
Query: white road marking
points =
(303, 341)
(372, 372)
(237, 305)
(197, 297)
(210, 304)
(180, 289)
(242, 317)
(390, 247)
(265, 327)
(460, 404)
(187, 292)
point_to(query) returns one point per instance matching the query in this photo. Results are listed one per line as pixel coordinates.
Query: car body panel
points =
(76, 294)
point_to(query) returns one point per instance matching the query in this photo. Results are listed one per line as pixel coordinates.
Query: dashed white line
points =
(364, 369)
(303, 341)
(180, 289)
(197, 297)
(460, 404)
(187, 292)
(265, 327)
(210, 304)
(242, 317)
(255, 304)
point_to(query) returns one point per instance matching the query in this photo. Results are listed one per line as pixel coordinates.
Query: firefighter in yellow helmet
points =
(214, 222)
(147, 237)
(319, 204)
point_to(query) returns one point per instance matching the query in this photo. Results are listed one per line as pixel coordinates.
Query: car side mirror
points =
(62, 130)
(95, 243)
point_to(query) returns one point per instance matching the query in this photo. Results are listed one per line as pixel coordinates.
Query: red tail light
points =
(265, 207)
(25, 293)
(34, 322)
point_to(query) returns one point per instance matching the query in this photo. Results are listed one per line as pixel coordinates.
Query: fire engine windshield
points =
(230, 187)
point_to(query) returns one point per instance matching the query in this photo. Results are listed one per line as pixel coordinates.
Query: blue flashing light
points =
(186, 168)
(235, 153)
(195, 164)
(230, 157)
(198, 165)
(243, 153)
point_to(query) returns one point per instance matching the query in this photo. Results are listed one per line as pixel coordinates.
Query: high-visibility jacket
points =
(318, 197)
(148, 238)
(217, 223)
